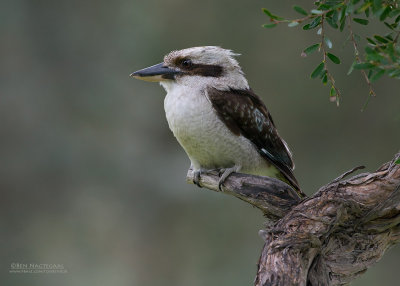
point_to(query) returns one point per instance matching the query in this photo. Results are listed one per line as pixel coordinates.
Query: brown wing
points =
(245, 114)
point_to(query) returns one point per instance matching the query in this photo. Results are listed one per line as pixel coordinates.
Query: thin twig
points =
(299, 20)
(347, 173)
(328, 74)
(358, 60)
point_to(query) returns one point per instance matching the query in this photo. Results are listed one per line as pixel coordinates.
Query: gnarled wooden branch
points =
(327, 239)
(272, 196)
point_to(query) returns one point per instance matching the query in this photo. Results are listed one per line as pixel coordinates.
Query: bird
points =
(217, 118)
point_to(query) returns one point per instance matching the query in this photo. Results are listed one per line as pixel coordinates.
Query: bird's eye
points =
(186, 63)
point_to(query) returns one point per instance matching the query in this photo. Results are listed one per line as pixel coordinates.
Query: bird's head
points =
(198, 67)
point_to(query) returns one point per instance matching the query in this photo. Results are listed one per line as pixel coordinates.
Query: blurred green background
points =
(92, 178)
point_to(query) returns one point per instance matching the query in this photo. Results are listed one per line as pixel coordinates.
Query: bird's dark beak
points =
(158, 72)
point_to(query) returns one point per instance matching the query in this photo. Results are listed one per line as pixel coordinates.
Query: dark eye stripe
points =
(189, 68)
(205, 70)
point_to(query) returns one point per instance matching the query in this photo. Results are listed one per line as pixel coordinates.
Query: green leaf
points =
(342, 22)
(397, 161)
(381, 39)
(385, 13)
(267, 12)
(389, 37)
(332, 23)
(388, 25)
(367, 12)
(314, 23)
(300, 10)
(363, 66)
(332, 93)
(361, 21)
(377, 75)
(293, 24)
(272, 16)
(269, 25)
(351, 68)
(342, 15)
(309, 50)
(371, 41)
(333, 58)
(325, 78)
(323, 75)
(318, 70)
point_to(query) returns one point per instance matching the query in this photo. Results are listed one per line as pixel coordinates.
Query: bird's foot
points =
(224, 173)
(196, 177)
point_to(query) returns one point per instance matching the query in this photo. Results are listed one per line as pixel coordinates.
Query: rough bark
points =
(329, 238)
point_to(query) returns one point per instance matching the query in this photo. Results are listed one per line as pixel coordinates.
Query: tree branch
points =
(327, 239)
(272, 196)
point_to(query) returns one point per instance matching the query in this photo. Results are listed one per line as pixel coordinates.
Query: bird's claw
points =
(224, 173)
(221, 180)
(220, 183)
(196, 178)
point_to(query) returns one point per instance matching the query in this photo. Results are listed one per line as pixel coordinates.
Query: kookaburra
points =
(217, 118)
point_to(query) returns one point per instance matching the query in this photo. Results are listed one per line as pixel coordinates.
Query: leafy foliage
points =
(382, 52)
